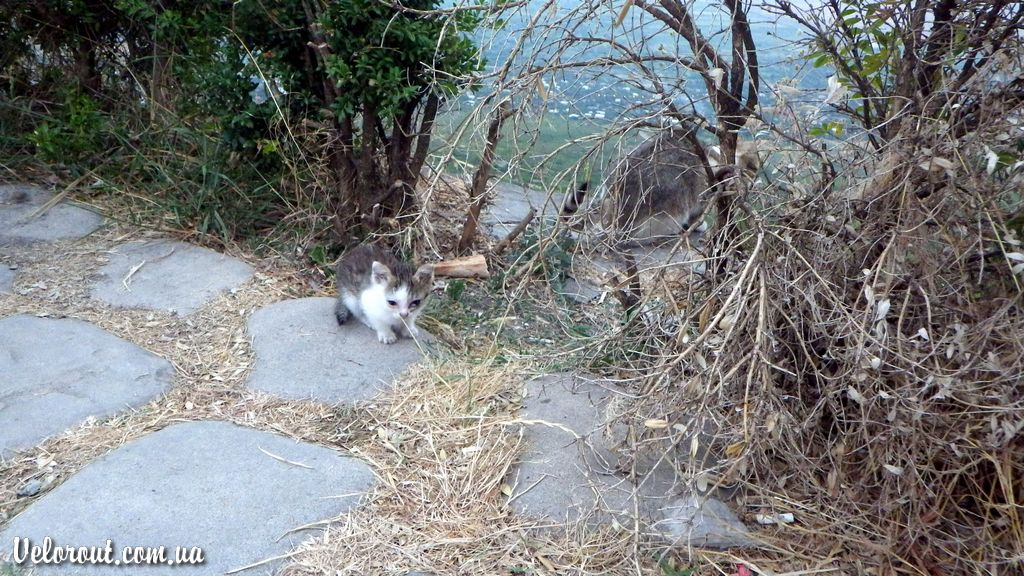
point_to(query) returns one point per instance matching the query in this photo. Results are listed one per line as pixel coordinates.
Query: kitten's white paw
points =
(387, 337)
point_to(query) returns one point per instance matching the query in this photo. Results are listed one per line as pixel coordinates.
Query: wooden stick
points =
(628, 292)
(504, 244)
(474, 266)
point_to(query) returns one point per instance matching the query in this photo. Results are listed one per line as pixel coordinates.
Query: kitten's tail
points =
(341, 312)
(16, 197)
(573, 200)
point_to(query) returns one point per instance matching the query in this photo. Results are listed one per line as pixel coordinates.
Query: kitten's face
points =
(405, 299)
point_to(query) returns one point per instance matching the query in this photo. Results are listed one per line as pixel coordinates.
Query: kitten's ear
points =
(424, 274)
(380, 273)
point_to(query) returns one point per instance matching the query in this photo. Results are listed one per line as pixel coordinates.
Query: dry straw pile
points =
(442, 444)
(859, 355)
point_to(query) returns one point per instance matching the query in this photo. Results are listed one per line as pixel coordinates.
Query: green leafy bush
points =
(73, 133)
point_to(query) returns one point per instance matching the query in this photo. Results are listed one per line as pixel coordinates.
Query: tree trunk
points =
(366, 177)
(86, 67)
(343, 202)
(423, 138)
(159, 80)
(401, 181)
(483, 172)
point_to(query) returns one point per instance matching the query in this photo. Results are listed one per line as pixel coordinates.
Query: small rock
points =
(31, 488)
(693, 521)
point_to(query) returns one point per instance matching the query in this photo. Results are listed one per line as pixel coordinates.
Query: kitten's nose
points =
(404, 313)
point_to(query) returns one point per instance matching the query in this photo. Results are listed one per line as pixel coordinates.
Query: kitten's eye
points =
(392, 303)
(414, 303)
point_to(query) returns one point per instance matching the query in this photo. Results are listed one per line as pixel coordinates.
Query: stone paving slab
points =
(705, 522)
(61, 222)
(567, 472)
(213, 485)
(564, 467)
(302, 353)
(581, 292)
(167, 275)
(593, 268)
(56, 373)
(511, 203)
(658, 256)
(6, 277)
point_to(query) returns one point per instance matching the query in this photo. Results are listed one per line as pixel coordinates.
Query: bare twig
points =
(511, 236)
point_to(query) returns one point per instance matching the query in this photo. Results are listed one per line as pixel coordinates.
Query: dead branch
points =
(508, 239)
(483, 173)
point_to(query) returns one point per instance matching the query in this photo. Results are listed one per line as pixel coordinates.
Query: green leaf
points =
(668, 570)
(319, 255)
(455, 289)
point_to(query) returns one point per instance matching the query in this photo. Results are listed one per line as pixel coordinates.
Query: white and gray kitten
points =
(384, 292)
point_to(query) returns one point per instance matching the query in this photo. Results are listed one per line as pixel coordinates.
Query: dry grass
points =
(440, 443)
(861, 371)
(444, 441)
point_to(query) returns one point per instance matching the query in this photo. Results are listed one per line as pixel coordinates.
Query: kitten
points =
(385, 293)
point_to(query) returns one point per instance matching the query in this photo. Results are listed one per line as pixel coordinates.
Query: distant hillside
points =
(579, 102)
